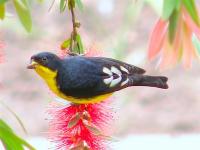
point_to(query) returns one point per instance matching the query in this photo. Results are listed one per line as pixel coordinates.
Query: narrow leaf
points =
(65, 44)
(2, 11)
(63, 4)
(20, 2)
(188, 48)
(196, 43)
(4, 126)
(10, 139)
(172, 25)
(192, 25)
(177, 45)
(167, 60)
(79, 44)
(24, 14)
(79, 4)
(26, 144)
(157, 38)
(3, 1)
(192, 10)
(168, 7)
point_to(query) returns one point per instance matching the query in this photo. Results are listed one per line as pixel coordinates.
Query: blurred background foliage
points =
(121, 30)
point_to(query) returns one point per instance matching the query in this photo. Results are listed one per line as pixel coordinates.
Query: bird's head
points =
(44, 59)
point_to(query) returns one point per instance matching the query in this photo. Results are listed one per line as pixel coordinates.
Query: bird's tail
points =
(151, 81)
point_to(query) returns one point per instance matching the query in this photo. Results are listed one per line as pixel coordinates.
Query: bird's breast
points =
(49, 77)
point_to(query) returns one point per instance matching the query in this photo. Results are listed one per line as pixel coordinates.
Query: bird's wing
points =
(114, 73)
(92, 76)
(124, 67)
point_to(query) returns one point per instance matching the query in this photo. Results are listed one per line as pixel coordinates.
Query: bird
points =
(86, 80)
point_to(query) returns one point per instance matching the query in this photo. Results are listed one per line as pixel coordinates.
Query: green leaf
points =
(196, 43)
(4, 126)
(168, 7)
(20, 2)
(8, 137)
(172, 25)
(10, 140)
(24, 14)
(66, 44)
(63, 4)
(2, 11)
(3, 1)
(79, 4)
(79, 44)
(192, 10)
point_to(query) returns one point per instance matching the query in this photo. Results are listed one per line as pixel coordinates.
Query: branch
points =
(75, 25)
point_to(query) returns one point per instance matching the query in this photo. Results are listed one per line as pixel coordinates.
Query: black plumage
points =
(85, 77)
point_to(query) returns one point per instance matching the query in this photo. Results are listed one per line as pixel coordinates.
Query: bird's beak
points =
(32, 65)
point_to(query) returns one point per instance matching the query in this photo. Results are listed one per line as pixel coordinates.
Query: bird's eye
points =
(44, 59)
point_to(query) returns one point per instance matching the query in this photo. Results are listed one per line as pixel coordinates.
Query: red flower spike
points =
(80, 126)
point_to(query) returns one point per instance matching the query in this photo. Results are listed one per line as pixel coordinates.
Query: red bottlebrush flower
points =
(176, 48)
(81, 126)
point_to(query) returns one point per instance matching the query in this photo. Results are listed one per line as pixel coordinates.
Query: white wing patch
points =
(116, 71)
(124, 69)
(108, 80)
(116, 81)
(107, 71)
(124, 82)
(111, 81)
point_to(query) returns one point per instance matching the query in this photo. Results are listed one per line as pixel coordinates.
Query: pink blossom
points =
(181, 48)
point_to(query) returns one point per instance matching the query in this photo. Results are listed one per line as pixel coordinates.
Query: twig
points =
(73, 19)
(75, 25)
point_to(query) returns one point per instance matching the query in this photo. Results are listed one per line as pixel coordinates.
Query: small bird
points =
(84, 80)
